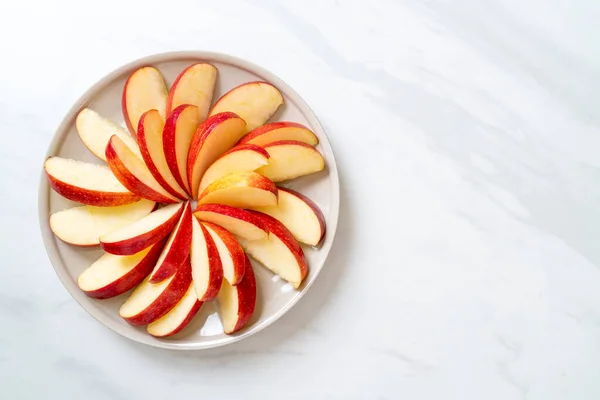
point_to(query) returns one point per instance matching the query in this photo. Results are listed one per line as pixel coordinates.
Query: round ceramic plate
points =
(274, 296)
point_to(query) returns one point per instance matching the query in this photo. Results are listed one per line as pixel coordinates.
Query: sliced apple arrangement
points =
(188, 192)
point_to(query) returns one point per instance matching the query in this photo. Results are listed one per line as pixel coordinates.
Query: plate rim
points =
(44, 189)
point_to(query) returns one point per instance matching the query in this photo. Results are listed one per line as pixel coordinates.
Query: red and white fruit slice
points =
(299, 214)
(150, 301)
(95, 132)
(194, 85)
(213, 137)
(113, 275)
(279, 252)
(131, 171)
(143, 233)
(240, 222)
(236, 304)
(178, 317)
(83, 226)
(291, 159)
(242, 158)
(177, 138)
(207, 271)
(90, 184)
(277, 131)
(150, 138)
(233, 258)
(177, 248)
(144, 90)
(241, 189)
(254, 102)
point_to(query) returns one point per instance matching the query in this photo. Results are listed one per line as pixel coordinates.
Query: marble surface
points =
(467, 260)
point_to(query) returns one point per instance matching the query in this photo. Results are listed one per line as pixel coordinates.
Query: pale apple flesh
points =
(233, 258)
(241, 189)
(277, 131)
(178, 317)
(241, 158)
(207, 271)
(254, 102)
(291, 159)
(144, 90)
(83, 226)
(236, 304)
(300, 215)
(194, 85)
(143, 233)
(89, 184)
(112, 275)
(95, 132)
(237, 221)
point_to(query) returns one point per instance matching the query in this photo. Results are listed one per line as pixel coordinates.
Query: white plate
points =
(274, 298)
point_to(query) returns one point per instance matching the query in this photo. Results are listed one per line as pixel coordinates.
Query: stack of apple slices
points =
(188, 192)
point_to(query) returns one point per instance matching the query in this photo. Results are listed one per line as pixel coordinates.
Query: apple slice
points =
(113, 275)
(143, 233)
(236, 303)
(300, 215)
(177, 248)
(233, 258)
(83, 226)
(277, 131)
(237, 221)
(242, 158)
(291, 159)
(177, 137)
(150, 301)
(144, 90)
(179, 316)
(95, 132)
(90, 184)
(279, 252)
(241, 189)
(195, 86)
(133, 173)
(150, 138)
(213, 137)
(254, 102)
(207, 271)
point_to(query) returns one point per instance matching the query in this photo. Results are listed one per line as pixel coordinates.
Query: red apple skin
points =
(248, 146)
(235, 250)
(128, 180)
(169, 144)
(261, 130)
(167, 299)
(130, 279)
(180, 249)
(244, 215)
(246, 297)
(278, 229)
(313, 206)
(136, 244)
(216, 268)
(141, 139)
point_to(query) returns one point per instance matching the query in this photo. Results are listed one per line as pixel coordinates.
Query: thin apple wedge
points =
(279, 252)
(233, 258)
(144, 90)
(150, 301)
(143, 233)
(236, 304)
(83, 226)
(178, 317)
(194, 85)
(242, 158)
(177, 248)
(112, 275)
(213, 137)
(133, 173)
(291, 159)
(243, 190)
(89, 184)
(237, 221)
(95, 132)
(299, 214)
(207, 271)
(254, 102)
(177, 138)
(277, 131)
(150, 138)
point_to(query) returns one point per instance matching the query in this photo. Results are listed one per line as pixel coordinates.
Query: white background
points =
(466, 263)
